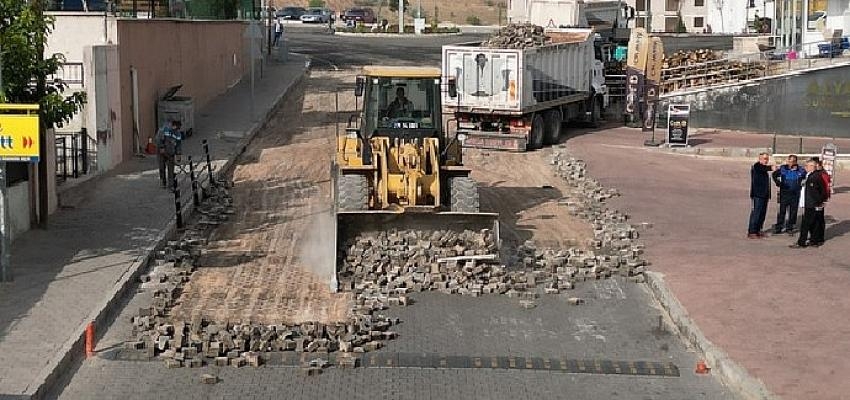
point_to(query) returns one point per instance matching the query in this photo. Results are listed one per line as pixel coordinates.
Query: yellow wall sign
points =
(19, 132)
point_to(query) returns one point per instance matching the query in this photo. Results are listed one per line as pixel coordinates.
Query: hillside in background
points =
(459, 12)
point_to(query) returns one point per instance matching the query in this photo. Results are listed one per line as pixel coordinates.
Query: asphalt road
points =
(328, 51)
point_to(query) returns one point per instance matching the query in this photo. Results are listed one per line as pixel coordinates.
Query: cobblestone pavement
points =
(265, 264)
(619, 321)
(62, 274)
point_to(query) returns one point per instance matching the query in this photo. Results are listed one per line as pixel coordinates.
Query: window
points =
(699, 22)
(816, 15)
(640, 22)
(699, 3)
(640, 5)
(672, 5)
(671, 24)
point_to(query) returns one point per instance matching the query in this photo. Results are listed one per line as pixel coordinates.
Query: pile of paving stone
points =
(614, 238)
(382, 269)
(517, 36)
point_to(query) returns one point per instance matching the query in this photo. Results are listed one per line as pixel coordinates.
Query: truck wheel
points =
(352, 192)
(538, 132)
(463, 192)
(553, 121)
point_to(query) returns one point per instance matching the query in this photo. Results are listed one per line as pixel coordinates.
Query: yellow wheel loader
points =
(396, 166)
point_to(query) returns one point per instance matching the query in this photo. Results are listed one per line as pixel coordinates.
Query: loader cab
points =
(400, 102)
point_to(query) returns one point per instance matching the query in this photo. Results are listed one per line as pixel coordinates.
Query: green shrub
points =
(473, 20)
(316, 3)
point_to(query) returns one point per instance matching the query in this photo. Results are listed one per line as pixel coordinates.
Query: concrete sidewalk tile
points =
(72, 273)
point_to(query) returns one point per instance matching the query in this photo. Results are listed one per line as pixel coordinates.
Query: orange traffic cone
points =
(701, 367)
(151, 148)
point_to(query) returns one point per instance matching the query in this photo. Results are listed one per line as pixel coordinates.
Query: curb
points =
(728, 371)
(49, 378)
(397, 35)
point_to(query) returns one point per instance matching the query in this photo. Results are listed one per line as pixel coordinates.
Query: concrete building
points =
(125, 65)
(664, 15)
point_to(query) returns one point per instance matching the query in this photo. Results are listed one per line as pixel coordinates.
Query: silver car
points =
(317, 16)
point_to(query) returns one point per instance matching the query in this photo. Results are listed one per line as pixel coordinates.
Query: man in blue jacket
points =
(788, 179)
(169, 143)
(760, 194)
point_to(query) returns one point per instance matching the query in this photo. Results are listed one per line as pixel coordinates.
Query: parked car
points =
(291, 13)
(365, 15)
(317, 15)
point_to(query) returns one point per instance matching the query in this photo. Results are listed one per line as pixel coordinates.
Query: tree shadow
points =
(509, 201)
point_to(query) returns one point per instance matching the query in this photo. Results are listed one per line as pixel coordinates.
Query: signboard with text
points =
(654, 63)
(635, 67)
(19, 126)
(677, 124)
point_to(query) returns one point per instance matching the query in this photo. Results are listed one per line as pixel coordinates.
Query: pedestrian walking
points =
(169, 141)
(760, 194)
(278, 31)
(815, 195)
(787, 178)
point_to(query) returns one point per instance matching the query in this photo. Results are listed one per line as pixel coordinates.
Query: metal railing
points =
(745, 67)
(75, 154)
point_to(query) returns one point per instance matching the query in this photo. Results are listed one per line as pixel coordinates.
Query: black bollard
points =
(195, 198)
(209, 163)
(178, 209)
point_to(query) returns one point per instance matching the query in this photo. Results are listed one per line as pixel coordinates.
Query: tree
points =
(393, 5)
(680, 24)
(23, 35)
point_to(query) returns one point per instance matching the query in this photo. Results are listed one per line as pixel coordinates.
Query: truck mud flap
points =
(495, 141)
(350, 224)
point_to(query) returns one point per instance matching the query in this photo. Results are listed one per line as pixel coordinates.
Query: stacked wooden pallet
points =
(687, 69)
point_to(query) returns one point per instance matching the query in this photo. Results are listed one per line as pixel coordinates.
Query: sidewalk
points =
(73, 272)
(776, 311)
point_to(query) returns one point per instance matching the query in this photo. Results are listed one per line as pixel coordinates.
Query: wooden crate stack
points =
(686, 69)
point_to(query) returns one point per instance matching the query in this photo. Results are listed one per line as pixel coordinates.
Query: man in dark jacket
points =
(815, 195)
(760, 194)
(788, 178)
(169, 142)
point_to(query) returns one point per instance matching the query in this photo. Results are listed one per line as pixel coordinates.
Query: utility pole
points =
(5, 231)
(40, 92)
(400, 16)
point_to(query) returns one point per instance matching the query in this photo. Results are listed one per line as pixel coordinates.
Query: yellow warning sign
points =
(19, 132)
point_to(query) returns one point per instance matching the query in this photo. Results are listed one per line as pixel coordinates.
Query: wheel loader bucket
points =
(350, 224)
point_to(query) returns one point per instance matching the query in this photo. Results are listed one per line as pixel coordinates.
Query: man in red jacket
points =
(815, 196)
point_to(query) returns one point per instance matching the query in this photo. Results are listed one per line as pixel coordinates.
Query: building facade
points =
(671, 15)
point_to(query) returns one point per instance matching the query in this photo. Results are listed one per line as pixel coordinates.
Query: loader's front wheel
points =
(352, 193)
(464, 194)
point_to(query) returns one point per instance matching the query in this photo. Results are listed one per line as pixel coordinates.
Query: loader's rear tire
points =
(553, 121)
(352, 193)
(463, 192)
(538, 132)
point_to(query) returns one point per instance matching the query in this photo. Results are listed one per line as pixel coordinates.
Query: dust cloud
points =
(317, 253)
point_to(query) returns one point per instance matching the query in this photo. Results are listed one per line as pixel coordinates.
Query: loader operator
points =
(401, 107)
(169, 142)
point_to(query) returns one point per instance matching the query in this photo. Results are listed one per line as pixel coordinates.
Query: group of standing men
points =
(805, 186)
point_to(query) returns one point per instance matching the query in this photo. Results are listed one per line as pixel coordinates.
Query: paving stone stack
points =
(615, 250)
(517, 36)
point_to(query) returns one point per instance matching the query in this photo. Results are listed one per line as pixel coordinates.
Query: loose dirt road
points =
(263, 265)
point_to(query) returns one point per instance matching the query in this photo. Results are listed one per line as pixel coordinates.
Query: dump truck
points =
(517, 99)
(396, 167)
